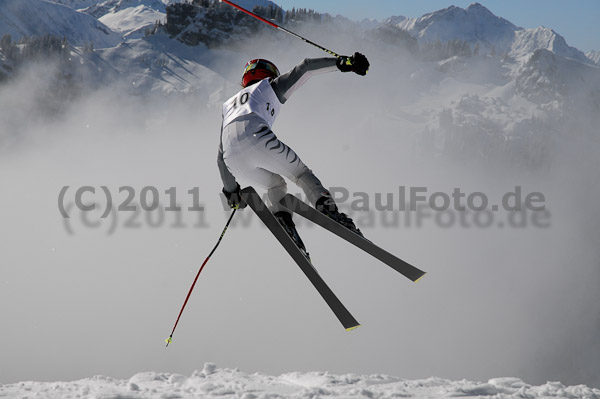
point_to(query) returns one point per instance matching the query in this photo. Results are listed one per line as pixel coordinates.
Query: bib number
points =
(243, 99)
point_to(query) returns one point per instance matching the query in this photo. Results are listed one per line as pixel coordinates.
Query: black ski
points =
(250, 196)
(303, 209)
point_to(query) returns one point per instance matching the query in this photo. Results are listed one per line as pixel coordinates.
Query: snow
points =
(131, 22)
(158, 64)
(528, 40)
(114, 5)
(76, 4)
(477, 24)
(594, 56)
(473, 24)
(133, 17)
(102, 8)
(37, 17)
(228, 383)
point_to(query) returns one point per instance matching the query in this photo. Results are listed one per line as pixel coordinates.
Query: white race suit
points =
(250, 151)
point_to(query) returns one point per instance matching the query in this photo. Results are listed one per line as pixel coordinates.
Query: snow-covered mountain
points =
(394, 20)
(227, 383)
(76, 4)
(132, 18)
(99, 9)
(38, 17)
(547, 76)
(527, 41)
(132, 22)
(368, 23)
(526, 86)
(97, 6)
(538, 80)
(160, 65)
(594, 56)
(477, 24)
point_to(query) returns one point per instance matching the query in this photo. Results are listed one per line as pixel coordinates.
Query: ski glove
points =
(357, 63)
(234, 200)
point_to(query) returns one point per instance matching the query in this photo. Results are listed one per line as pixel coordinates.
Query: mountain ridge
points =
(478, 25)
(18, 18)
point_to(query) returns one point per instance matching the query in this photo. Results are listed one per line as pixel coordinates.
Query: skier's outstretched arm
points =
(286, 84)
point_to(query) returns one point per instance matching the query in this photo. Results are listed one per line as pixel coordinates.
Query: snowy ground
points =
(227, 383)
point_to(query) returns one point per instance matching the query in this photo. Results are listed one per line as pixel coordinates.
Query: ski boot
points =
(285, 220)
(327, 206)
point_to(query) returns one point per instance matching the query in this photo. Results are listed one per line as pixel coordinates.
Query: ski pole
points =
(274, 25)
(170, 339)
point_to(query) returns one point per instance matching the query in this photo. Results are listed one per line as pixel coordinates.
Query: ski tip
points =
(353, 328)
(417, 280)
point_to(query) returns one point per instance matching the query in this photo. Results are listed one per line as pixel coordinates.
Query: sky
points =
(577, 21)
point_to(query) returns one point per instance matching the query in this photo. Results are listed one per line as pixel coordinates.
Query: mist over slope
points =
(507, 298)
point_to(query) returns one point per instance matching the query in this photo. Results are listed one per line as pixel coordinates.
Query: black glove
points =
(234, 199)
(357, 63)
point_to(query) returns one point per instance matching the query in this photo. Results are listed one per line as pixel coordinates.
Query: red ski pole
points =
(274, 25)
(170, 339)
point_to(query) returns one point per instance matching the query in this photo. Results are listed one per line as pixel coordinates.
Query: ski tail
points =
(303, 209)
(250, 196)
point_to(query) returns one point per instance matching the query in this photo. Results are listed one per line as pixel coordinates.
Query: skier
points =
(249, 149)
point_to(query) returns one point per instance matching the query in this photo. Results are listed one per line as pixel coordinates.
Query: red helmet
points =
(258, 69)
